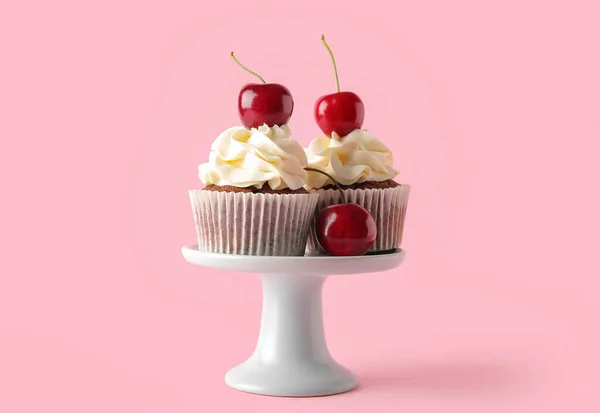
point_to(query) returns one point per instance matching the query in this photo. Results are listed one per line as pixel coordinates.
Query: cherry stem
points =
(336, 183)
(246, 69)
(337, 80)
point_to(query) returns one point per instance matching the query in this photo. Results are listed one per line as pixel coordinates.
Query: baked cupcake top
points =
(357, 157)
(242, 157)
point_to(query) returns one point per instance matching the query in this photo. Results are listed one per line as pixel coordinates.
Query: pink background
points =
(491, 108)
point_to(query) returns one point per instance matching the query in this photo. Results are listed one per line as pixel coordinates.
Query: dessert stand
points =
(291, 357)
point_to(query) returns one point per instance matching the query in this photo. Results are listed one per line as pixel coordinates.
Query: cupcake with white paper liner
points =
(253, 202)
(359, 162)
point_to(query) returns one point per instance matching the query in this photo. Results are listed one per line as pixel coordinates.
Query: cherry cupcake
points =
(254, 201)
(361, 164)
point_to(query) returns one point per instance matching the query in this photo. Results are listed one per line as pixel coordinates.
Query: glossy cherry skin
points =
(340, 112)
(269, 103)
(345, 229)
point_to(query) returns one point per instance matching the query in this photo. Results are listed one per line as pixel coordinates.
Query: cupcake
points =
(253, 202)
(359, 162)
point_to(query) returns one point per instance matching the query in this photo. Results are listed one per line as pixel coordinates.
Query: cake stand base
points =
(291, 357)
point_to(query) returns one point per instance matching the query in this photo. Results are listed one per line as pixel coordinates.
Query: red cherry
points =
(345, 229)
(340, 112)
(269, 103)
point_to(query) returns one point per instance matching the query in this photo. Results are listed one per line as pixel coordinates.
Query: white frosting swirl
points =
(357, 157)
(252, 157)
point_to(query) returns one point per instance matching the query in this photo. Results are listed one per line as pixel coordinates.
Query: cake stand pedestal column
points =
(291, 357)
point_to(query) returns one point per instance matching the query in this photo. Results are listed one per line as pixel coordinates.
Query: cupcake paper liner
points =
(253, 224)
(387, 206)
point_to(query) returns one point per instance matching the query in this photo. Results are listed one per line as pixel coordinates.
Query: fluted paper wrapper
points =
(252, 224)
(387, 206)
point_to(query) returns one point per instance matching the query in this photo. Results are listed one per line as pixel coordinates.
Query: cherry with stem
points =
(263, 103)
(340, 112)
(344, 229)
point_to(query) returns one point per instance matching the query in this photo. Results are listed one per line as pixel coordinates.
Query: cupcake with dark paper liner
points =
(254, 201)
(364, 168)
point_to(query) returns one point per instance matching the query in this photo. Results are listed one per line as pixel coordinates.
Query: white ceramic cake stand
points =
(291, 357)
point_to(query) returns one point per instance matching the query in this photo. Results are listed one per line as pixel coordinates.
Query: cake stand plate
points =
(291, 357)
